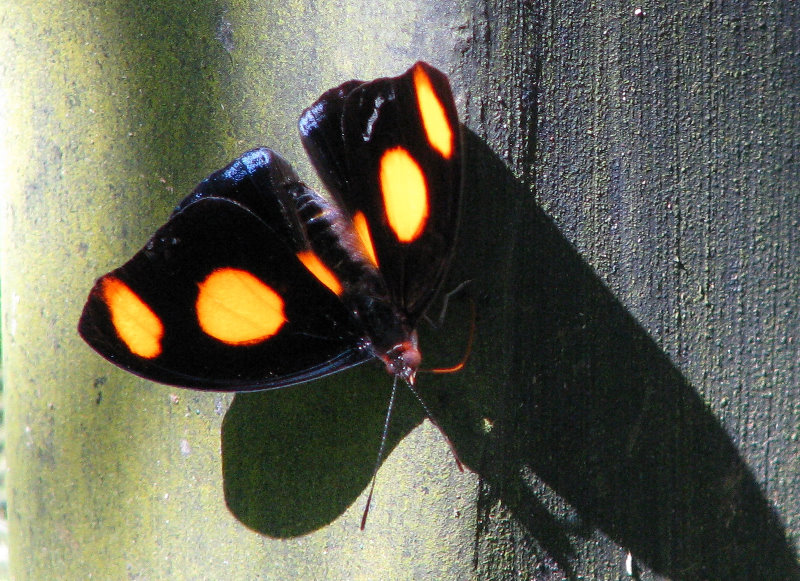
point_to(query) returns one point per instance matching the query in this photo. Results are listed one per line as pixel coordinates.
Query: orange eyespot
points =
(135, 323)
(434, 118)
(312, 262)
(362, 229)
(235, 307)
(405, 194)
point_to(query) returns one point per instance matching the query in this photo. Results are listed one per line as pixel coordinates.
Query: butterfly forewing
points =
(217, 300)
(390, 150)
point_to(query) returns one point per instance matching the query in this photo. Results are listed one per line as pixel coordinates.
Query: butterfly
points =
(258, 282)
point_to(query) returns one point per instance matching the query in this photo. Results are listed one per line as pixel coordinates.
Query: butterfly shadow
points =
(294, 459)
(568, 411)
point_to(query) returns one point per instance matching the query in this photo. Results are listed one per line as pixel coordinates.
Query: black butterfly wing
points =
(320, 128)
(265, 183)
(390, 151)
(218, 300)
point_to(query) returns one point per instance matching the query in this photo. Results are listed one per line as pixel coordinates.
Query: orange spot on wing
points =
(135, 323)
(405, 194)
(312, 262)
(235, 307)
(434, 118)
(362, 229)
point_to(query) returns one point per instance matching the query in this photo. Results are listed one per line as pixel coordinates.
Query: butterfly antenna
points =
(381, 450)
(436, 423)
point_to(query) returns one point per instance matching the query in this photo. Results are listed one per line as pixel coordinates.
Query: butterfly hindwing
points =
(218, 300)
(265, 183)
(390, 151)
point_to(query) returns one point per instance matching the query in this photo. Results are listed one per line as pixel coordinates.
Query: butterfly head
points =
(403, 360)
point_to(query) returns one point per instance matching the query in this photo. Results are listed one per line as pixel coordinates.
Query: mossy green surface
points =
(630, 233)
(112, 112)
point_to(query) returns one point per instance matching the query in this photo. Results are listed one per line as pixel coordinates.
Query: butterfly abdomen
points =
(332, 239)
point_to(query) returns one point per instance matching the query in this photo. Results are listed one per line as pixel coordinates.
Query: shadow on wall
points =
(580, 398)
